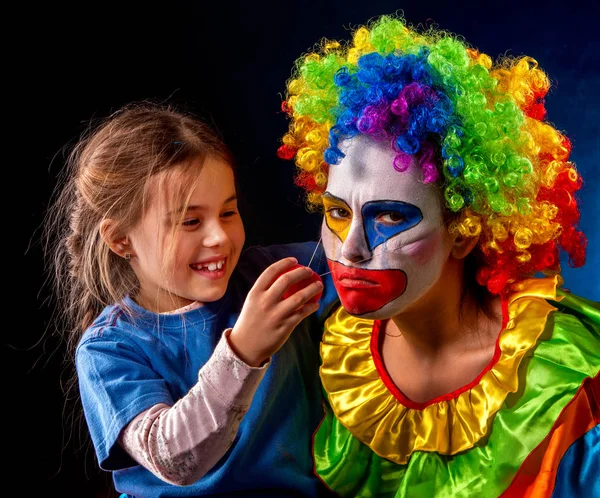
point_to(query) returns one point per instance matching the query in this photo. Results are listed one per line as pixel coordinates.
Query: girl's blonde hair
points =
(107, 175)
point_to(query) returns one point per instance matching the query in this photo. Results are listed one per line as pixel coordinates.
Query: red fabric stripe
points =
(537, 475)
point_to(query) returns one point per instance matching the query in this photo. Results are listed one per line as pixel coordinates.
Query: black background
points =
(228, 63)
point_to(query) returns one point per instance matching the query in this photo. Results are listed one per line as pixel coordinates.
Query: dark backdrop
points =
(227, 62)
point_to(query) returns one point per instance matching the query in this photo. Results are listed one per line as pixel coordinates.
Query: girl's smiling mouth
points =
(212, 268)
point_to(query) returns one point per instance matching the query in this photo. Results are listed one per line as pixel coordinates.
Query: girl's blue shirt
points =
(126, 364)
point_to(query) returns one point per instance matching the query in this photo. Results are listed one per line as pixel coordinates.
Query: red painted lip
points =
(355, 282)
(364, 291)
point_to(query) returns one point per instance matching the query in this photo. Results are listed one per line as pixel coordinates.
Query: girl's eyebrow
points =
(200, 207)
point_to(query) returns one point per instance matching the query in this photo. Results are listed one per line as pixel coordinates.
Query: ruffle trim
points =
(373, 409)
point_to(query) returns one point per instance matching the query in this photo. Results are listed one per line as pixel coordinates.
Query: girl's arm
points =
(181, 443)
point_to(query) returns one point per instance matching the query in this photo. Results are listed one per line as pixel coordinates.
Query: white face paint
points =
(383, 231)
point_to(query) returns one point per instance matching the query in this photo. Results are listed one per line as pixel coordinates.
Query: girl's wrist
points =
(244, 352)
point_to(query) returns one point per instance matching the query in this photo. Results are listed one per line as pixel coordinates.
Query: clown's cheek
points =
(331, 244)
(423, 252)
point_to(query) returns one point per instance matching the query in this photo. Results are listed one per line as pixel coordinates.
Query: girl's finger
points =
(299, 314)
(300, 298)
(267, 277)
(291, 282)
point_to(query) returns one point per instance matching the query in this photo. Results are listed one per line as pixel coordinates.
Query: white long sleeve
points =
(181, 443)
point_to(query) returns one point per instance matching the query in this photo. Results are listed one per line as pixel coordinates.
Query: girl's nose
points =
(215, 235)
(355, 248)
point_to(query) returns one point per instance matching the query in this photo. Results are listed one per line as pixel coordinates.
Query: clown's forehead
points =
(366, 173)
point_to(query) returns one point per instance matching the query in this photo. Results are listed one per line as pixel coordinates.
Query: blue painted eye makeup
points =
(385, 219)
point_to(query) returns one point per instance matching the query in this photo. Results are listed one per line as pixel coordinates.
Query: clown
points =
(456, 364)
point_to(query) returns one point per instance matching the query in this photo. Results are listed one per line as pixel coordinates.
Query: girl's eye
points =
(391, 218)
(191, 222)
(338, 213)
(229, 214)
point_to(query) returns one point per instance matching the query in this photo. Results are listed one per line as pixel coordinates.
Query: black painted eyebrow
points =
(330, 196)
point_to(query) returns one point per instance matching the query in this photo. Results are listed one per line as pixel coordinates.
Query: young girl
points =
(191, 379)
(452, 367)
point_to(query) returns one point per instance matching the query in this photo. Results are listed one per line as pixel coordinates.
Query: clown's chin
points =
(356, 303)
(359, 307)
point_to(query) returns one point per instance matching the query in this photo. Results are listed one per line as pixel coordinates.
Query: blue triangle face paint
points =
(385, 219)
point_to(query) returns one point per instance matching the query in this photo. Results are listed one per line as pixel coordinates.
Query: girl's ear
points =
(118, 243)
(462, 246)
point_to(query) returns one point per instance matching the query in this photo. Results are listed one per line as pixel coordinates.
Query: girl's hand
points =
(267, 318)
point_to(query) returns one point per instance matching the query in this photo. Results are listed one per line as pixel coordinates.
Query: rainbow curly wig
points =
(477, 128)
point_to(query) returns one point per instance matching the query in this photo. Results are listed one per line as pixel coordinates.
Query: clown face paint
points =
(383, 231)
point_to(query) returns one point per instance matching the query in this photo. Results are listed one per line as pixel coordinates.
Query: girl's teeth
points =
(212, 266)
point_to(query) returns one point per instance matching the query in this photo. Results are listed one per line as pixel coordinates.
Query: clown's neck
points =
(441, 343)
(446, 316)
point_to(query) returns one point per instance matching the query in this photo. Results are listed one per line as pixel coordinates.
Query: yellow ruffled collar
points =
(368, 404)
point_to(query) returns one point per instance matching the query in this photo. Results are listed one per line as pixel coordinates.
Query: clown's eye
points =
(338, 213)
(391, 218)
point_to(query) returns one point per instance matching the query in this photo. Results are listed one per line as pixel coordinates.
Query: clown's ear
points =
(462, 246)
